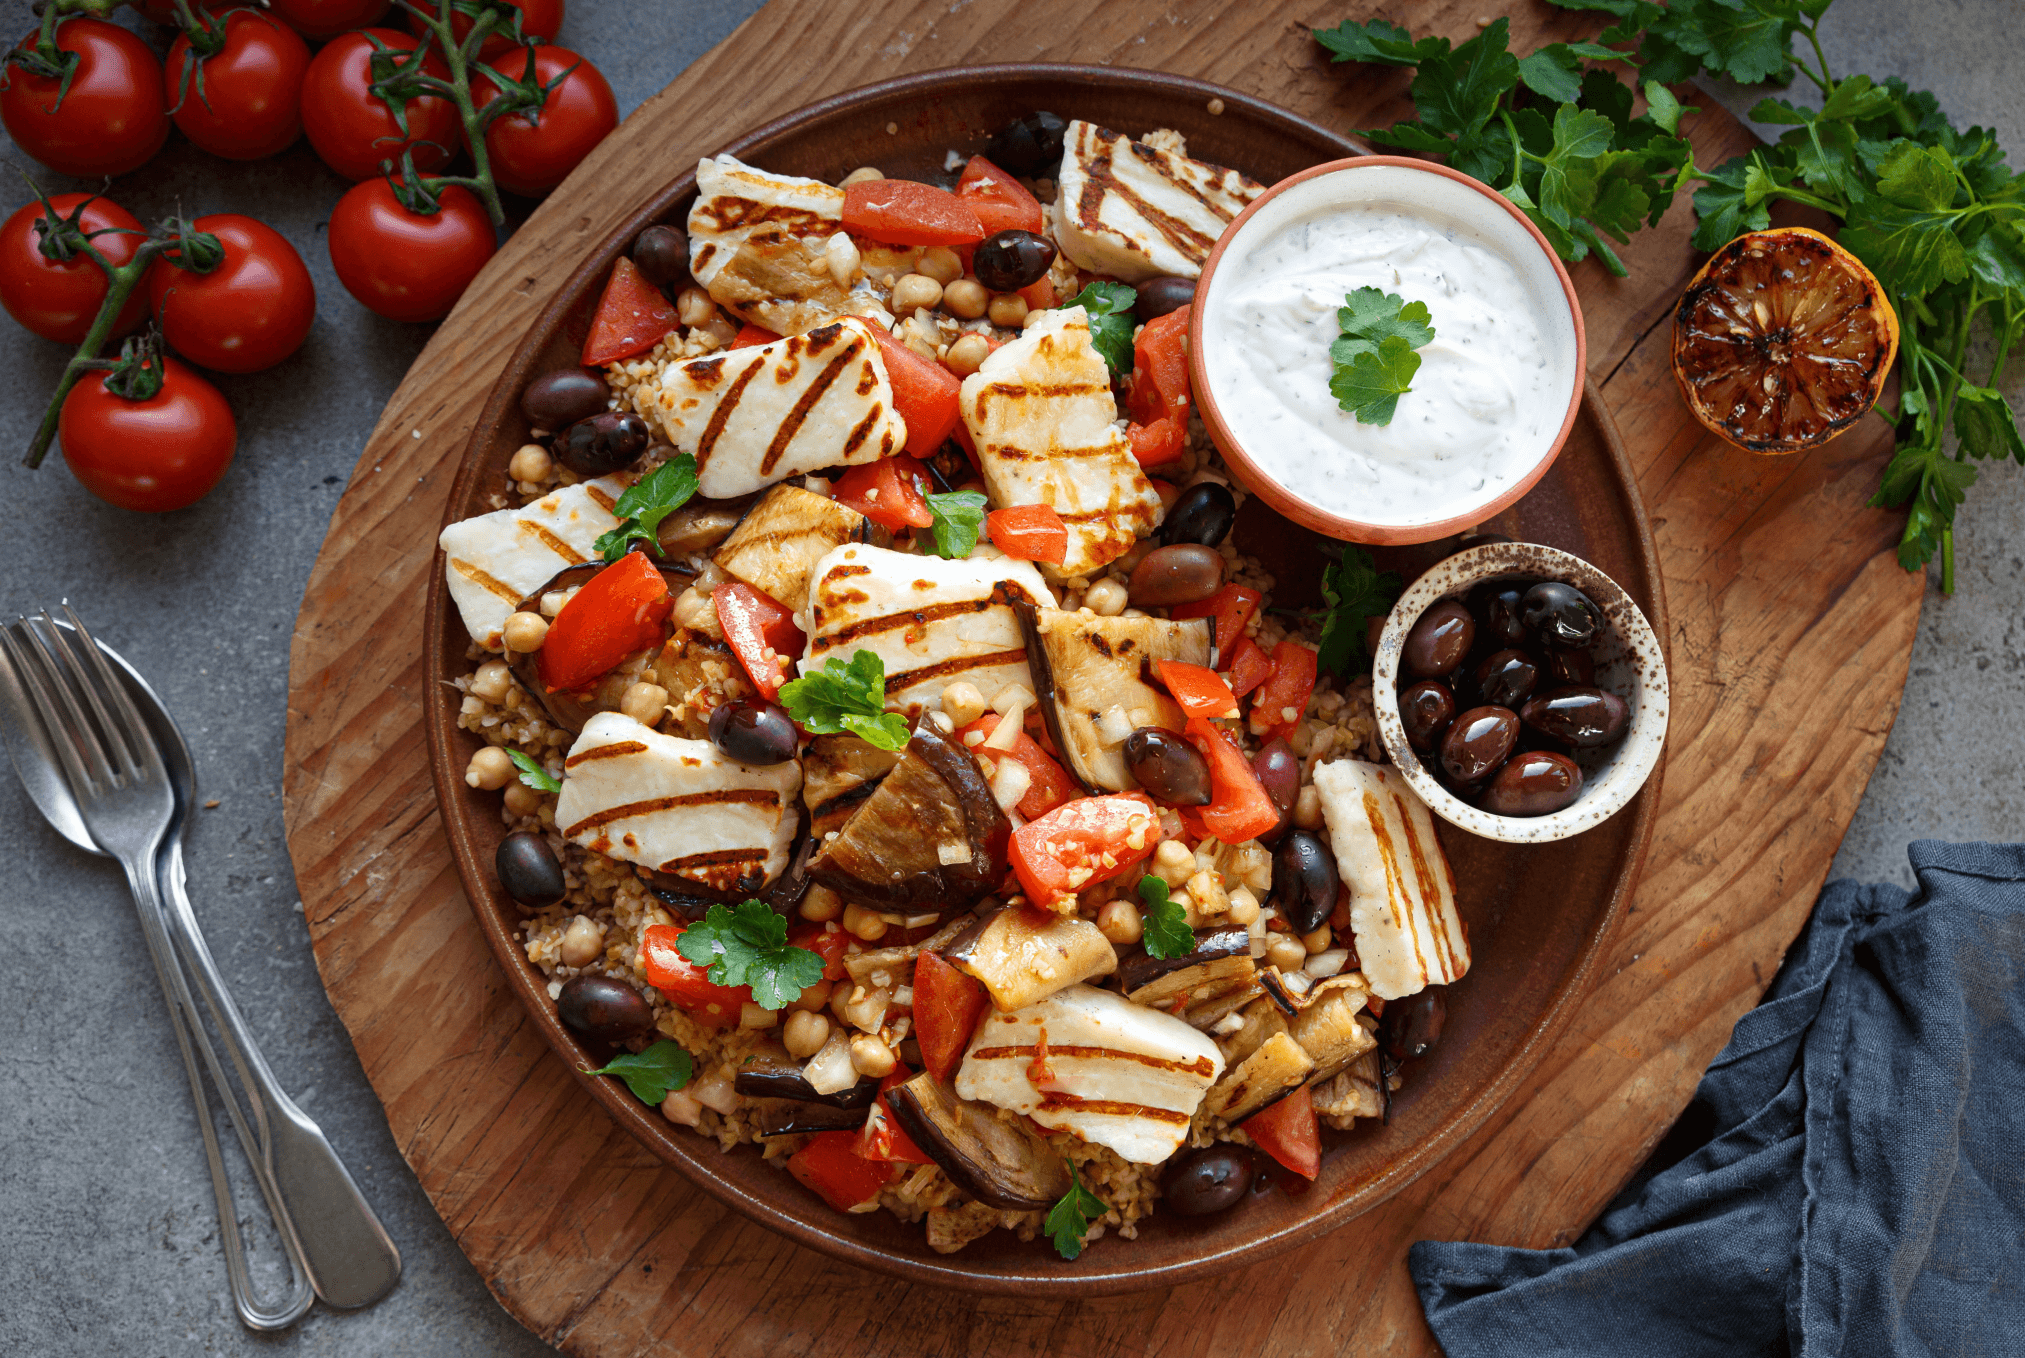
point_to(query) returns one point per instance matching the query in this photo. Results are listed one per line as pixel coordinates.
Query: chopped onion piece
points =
(714, 1091)
(1009, 785)
(1007, 733)
(1010, 697)
(1326, 963)
(1229, 1023)
(830, 1070)
(1300, 982)
(948, 853)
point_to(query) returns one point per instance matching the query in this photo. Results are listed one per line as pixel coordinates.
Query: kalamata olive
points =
(528, 869)
(753, 732)
(1495, 604)
(1278, 770)
(1159, 296)
(1028, 146)
(1568, 666)
(1180, 574)
(1507, 678)
(1477, 742)
(1439, 640)
(1560, 613)
(602, 444)
(1304, 881)
(1202, 515)
(1168, 767)
(1534, 783)
(1425, 710)
(604, 1009)
(1012, 260)
(662, 254)
(1411, 1027)
(1582, 717)
(563, 397)
(1206, 1181)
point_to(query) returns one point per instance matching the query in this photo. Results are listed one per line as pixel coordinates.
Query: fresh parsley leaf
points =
(1986, 424)
(1166, 932)
(1370, 314)
(1722, 208)
(748, 946)
(1458, 92)
(1372, 383)
(1997, 258)
(1355, 590)
(1070, 1219)
(1662, 107)
(1915, 176)
(849, 697)
(653, 1073)
(1911, 251)
(1109, 307)
(1555, 71)
(646, 502)
(958, 515)
(1378, 43)
(533, 774)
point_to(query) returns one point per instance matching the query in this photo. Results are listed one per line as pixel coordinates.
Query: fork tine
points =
(78, 685)
(131, 726)
(29, 663)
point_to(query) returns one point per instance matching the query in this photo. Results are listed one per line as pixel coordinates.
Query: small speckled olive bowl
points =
(1629, 663)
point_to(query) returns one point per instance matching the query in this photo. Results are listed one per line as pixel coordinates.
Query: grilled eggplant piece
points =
(995, 1161)
(571, 710)
(930, 838)
(1328, 1029)
(1280, 993)
(697, 527)
(1352, 1093)
(1024, 955)
(1093, 674)
(784, 1117)
(770, 1073)
(1221, 962)
(838, 773)
(776, 548)
(1206, 1014)
(1275, 1070)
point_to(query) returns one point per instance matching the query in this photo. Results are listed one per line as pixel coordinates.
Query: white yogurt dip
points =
(1493, 388)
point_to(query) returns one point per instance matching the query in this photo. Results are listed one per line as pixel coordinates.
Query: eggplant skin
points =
(1136, 971)
(997, 1162)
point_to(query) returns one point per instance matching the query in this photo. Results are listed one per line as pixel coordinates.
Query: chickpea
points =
(864, 174)
(821, 905)
(530, 463)
(871, 1056)
(525, 632)
(1008, 311)
(492, 681)
(1106, 598)
(522, 800)
(1317, 941)
(962, 702)
(914, 292)
(1173, 862)
(553, 601)
(1308, 808)
(965, 298)
(967, 355)
(1244, 907)
(490, 769)
(813, 1000)
(864, 924)
(805, 1034)
(1285, 952)
(751, 1015)
(645, 703)
(694, 307)
(582, 942)
(1119, 921)
(842, 256)
(940, 263)
(682, 1108)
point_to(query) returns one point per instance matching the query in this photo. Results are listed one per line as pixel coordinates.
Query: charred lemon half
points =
(1782, 341)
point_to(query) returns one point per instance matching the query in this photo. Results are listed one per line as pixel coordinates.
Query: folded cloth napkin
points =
(1850, 1178)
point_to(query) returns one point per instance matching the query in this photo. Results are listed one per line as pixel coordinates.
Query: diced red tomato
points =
(1040, 296)
(687, 985)
(1288, 1132)
(631, 318)
(1249, 666)
(924, 394)
(1000, 201)
(827, 941)
(1159, 388)
(754, 625)
(1239, 807)
(882, 1138)
(622, 609)
(885, 492)
(906, 212)
(1085, 842)
(1199, 689)
(749, 335)
(1051, 784)
(1029, 532)
(1287, 689)
(1232, 607)
(947, 1006)
(831, 1167)
(1158, 443)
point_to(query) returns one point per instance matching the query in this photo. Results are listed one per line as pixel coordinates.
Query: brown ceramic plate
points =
(1536, 915)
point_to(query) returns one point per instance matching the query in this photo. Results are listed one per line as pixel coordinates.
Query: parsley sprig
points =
(1109, 306)
(748, 946)
(1355, 591)
(533, 774)
(958, 514)
(846, 697)
(646, 502)
(1165, 924)
(1070, 1219)
(653, 1073)
(1374, 357)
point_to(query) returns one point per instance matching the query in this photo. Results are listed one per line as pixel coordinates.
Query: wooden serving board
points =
(1791, 629)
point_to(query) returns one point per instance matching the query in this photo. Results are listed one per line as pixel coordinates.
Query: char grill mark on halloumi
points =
(1402, 891)
(761, 414)
(1041, 415)
(495, 560)
(677, 806)
(1135, 212)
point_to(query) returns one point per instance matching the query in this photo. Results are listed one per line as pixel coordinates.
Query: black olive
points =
(1425, 710)
(1533, 783)
(528, 869)
(662, 254)
(753, 732)
(604, 1009)
(1028, 146)
(1202, 515)
(1012, 260)
(1159, 296)
(1477, 742)
(1411, 1027)
(563, 397)
(1570, 666)
(1304, 881)
(1185, 573)
(1582, 717)
(1496, 607)
(1168, 767)
(1278, 770)
(1439, 640)
(1560, 613)
(602, 444)
(1507, 678)
(1206, 1181)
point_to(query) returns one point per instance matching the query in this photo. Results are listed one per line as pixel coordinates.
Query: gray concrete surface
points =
(108, 1238)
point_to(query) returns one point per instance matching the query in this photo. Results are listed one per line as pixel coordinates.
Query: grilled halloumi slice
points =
(1402, 891)
(775, 548)
(1041, 416)
(761, 414)
(1134, 212)
(677, 806)
(930, 620)
(1113, 1072)
(498, 559)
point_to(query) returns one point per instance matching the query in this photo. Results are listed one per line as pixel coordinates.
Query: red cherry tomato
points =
(924, 395)
(59, 300)
(632, 317)
(621, 610)
(538, 19)
(1232, 607)
(1000, 201)
(535, 150)
(250, 312)
(154, 455)
(318, 19)
(353, 129)
(1200, 691)
(885, 492)
(249, 102)
(761, 632)
(686, 985)
(112, 119)
(830, 1166)
(1287, 689)
(1240, 808)
(1288, 1131)
(1029, 533)
(1065, 851)
(947, 1006)
(401, 264)
(1051, 785)
(904, 212)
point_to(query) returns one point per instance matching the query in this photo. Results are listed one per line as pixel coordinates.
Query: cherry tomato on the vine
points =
(404, 265)
(59, 300)
(112, 119)
(243, 102)
(318, 19)
(250, 312)
(353, 129)
(538, 19)
(154, 455)
(535, 150)
(164, 11)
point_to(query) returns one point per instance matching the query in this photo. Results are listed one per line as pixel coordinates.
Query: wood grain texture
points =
(1791, 629)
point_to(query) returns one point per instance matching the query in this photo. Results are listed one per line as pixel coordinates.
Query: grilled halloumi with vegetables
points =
(1135, 212)
(761, 414)
(931, 621)
(498, 559)
(1041, 415)
(1092, 1062)
(1402, 891)
(775, 548)
(677, 806)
